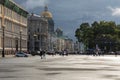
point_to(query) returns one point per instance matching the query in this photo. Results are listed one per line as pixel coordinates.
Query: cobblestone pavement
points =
(73, 67)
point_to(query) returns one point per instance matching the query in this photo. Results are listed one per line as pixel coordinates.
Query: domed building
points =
(48, 15)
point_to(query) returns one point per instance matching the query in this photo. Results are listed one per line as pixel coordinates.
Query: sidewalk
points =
(27, 60)
(7, 56)
(30, 56)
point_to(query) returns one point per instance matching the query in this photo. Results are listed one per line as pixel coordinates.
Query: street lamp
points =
(16, 44)
(3, 51)
(20, 41)
(3, 35)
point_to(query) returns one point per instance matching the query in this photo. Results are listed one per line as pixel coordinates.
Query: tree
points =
(78, 35)
(84, 34)
(103, 33)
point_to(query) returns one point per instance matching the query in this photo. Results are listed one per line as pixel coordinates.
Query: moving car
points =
(21, 54)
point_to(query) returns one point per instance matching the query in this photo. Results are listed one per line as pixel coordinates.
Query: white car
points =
(21, 54)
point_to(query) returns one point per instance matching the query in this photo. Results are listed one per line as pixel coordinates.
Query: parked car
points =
(50, 53)
(111, 53)
(21, 54)
(118, 52)
(33, 53)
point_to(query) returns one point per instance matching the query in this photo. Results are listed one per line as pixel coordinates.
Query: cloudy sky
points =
(69, 14)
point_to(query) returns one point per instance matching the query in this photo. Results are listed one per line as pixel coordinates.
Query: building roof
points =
(36, 17)
(46, 13)
(14, 6)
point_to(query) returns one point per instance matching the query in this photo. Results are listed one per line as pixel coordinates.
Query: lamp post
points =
(20, 41)
(16, 43)
(3, 50)
(3, 34)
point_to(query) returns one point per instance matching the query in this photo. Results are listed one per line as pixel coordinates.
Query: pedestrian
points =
(63, 53)
(115, 54)
(42, 54)
(96, 52)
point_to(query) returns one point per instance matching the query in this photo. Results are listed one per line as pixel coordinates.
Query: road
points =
(73, 67)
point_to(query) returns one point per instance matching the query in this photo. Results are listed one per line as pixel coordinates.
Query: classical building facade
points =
(37, 33)
(69, 45)
(13, 27)
(61, 42)
(48, 16)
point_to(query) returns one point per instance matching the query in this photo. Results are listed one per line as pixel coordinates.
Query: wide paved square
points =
(72, 67)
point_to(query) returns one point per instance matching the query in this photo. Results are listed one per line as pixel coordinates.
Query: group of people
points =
(96, 52)
(42, 53)
(63, 53)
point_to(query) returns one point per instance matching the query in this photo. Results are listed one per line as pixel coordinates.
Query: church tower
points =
(48, 15)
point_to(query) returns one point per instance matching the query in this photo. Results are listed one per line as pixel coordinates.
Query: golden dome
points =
(46, 13)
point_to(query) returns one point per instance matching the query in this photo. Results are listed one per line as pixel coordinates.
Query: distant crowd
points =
(42, 53)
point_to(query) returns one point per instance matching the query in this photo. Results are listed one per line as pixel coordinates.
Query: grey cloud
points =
(32, 4)
(69, 14)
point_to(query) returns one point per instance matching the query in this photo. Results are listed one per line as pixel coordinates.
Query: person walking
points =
(42, 54)
(116, 53)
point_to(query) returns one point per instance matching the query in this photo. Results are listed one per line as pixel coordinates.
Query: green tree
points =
(103, 33)
(84, 34)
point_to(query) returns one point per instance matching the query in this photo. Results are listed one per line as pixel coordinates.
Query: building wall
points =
(69, 45)
(14, 23)
(60, 44)
(38, 33)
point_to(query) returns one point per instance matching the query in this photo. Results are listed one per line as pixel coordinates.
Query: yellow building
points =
(13, 27)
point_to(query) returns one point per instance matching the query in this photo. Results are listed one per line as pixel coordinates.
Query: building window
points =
(0, 23)
(38, 37)
(0, 9)
(8, 25)
(16, 28)
(29, 37)
(38, 30)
